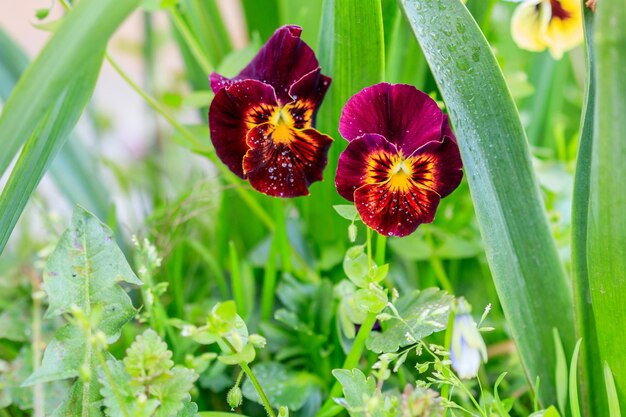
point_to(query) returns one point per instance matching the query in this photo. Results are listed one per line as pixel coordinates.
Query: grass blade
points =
(614, 408)
(573, 382)
(592, 379)
(528, 275)
(46, 141)
(606, 240)
(86, 29)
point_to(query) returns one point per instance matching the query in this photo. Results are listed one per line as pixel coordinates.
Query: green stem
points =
(235, 279)
(437, 265)
(369, 247)
(351, 361)
(38, 392)
(281, 234)
(381, 246)
(191, 41)
(198, 147)
(445, 390)
(107, 372)
(269, 280)
(255, 382)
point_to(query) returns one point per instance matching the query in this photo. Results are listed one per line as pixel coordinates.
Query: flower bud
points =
(234, 397)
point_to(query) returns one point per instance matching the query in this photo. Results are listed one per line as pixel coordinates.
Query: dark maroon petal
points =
(446, 130)
(234, 111)
(283, 161)
(395, 211)
(218, 82)
(370, 150)
(283, 60)
(401, 113)
(310, 89)
(437, 166)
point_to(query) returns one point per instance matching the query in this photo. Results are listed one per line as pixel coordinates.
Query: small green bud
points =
(234, 397)
(257, 341)
(352, 232)
(41, 14)
(283, 412)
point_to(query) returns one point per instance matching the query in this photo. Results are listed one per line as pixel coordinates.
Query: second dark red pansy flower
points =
(262, 120)
(401, 160)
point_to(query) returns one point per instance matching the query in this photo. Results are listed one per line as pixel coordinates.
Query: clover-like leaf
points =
(422, 313)
(357, 389)
(282, 386)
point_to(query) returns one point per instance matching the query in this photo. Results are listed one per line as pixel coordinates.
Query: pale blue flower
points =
(467, 349)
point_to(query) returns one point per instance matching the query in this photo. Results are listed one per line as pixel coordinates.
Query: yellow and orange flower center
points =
(558, 11)
(401, 174)
(282, 120)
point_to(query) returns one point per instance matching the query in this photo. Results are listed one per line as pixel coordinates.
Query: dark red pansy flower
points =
(401, 160)
(261, 121)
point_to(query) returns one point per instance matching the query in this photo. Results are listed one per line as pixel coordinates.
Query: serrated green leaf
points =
(423, 313)
(173, 393)
(282, 386)
(190, 409)
(120, 397)
(148, 360)
(84, 271)
(520, 248)
(356, 390)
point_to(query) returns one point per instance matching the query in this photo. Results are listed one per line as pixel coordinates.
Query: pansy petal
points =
(395, 211)
(446, 129)
(285, 166)
(219, 81)
(401, 113)
(234, 111)
(283, 60)
(565, 30)
(529, 23)
(360, 154)
(309, 91)
(437, 166)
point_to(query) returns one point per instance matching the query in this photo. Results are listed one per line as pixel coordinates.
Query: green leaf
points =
(173, 393)
(561, 372)
(347, 211)
(357, 390)
(148, 360)
(120, 397)
(611, 392)
(282, 386)
(522, 255)
(606, 239)
(573, 382)
(86, 29)
(422, 312)
(84, 271)
(592, 369)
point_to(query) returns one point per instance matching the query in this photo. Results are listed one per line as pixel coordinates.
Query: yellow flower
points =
(552, 24)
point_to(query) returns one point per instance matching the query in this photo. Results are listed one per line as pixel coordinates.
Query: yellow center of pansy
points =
(400, 174)
(281, 120)
(283, 123)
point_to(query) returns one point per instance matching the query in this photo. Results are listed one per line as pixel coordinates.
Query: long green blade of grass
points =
(606, 240)
(528, 275)
(72, 169)
(591, 370)
(46, 141)
(351, 50)
(86, 29)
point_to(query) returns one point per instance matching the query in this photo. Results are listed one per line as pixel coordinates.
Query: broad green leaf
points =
(86, 29)
(84, 271)
(356, 391)
(48, 138)
(282, 386)
(591, 363)
(422, 312)
(347, 211)
(528, 275)
(606, 239)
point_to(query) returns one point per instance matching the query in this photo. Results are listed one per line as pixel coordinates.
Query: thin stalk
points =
(369, 247)
(190, 40)
(445, 390)
(437, 266)
(197, 146)
(281, 234)
(38, 392)
(235, 279)
(351, 361)
(255, 382)
(269, 281)
(381, 246)
(107, 372)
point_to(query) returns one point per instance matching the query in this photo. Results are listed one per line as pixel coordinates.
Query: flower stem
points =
(197, 146)
(190, 40)
(437, 265)
(381, 245)
(269, 280)
(281, 234)
(255, 382)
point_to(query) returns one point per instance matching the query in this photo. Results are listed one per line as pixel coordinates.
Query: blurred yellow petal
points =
(565, 29)
(529, 24)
